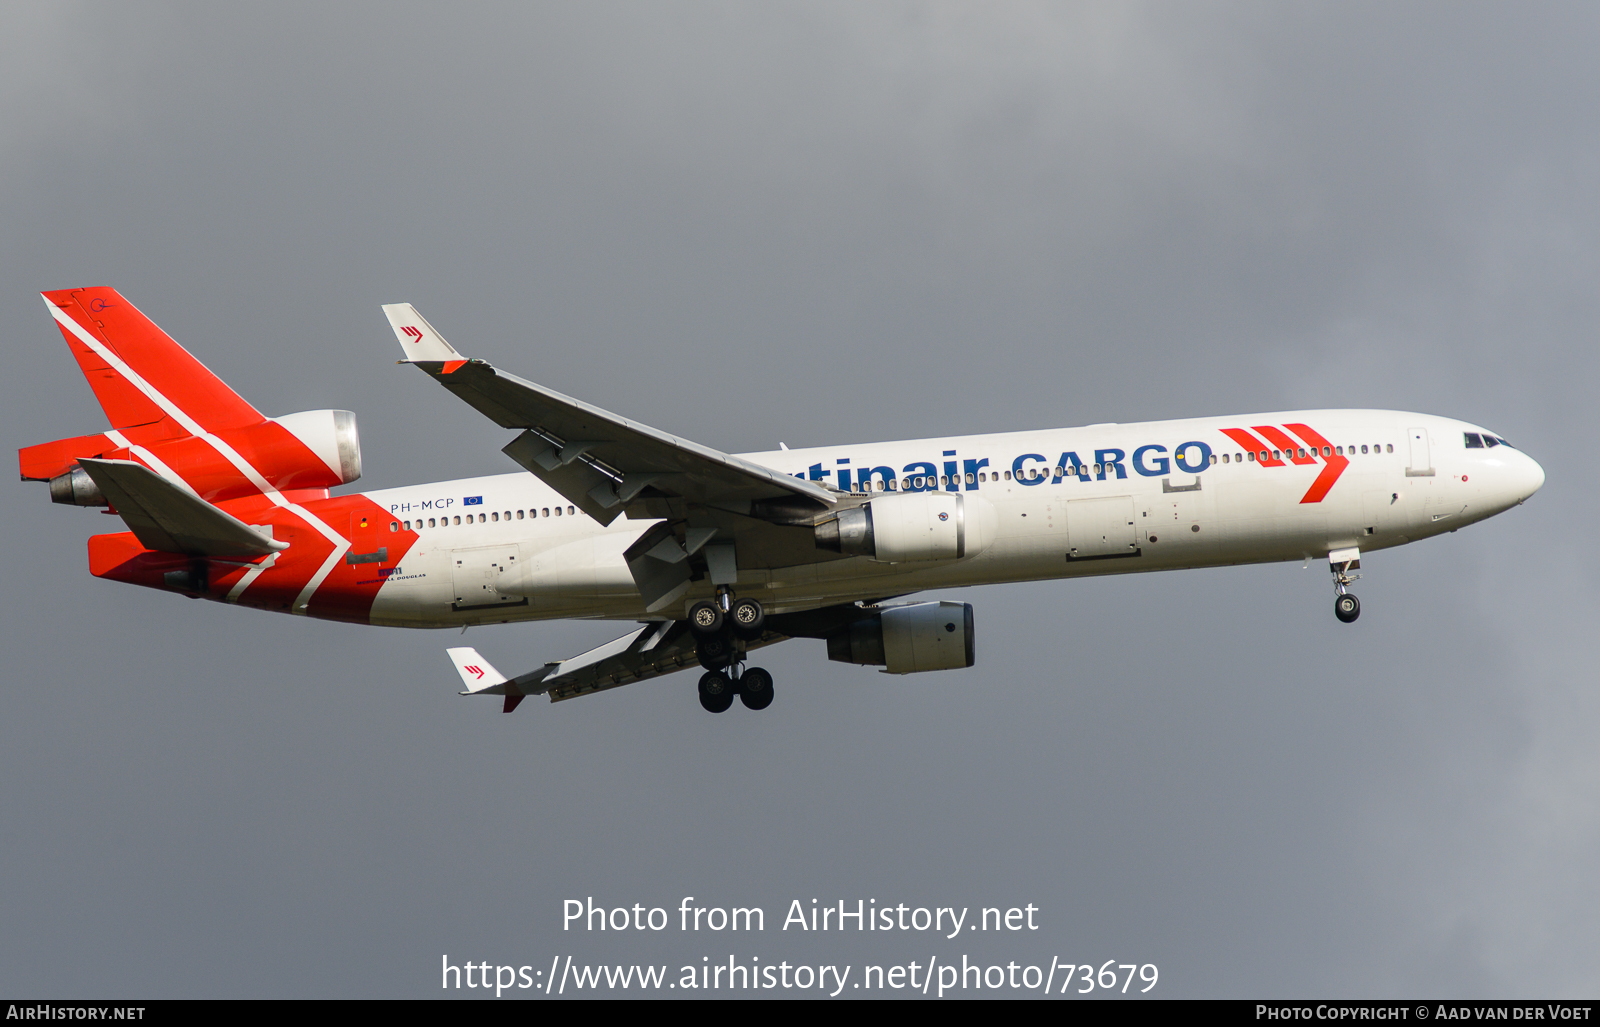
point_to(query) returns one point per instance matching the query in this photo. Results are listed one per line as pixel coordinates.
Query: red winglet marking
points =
(1254, 445)
(1330, 473)
(451, 365)
(1284, 442)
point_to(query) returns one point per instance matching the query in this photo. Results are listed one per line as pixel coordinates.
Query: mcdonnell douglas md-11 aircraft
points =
(714, 555)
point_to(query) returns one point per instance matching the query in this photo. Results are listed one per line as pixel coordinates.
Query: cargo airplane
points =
(713, 555)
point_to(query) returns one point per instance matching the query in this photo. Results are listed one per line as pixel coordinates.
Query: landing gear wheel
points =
(1347, 608)
(755, 688)
(748, 618)
(714, 653)
(716, 692)
(705, 619)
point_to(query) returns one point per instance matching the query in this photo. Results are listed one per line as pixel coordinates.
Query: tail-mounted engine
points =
(314, 449)
(910, 528)
(908, 639)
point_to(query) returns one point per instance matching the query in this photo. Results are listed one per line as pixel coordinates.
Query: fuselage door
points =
(1421, 465)
(477, 573)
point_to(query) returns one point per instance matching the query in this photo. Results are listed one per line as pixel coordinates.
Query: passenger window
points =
(972, 479)
(408, 525)
(1008, 475)
(1213, 459)
(494, 516)
(1363, 449)
(394, 525)
(1389, 448)
(519, 514)
(1097, 469)
(572, 512)
(1251, 457)
(1225, 458)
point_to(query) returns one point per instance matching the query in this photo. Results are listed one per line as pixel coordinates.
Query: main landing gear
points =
(1346, 607)
(720, 627)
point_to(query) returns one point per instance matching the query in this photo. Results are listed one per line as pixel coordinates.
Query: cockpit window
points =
(1495, 440)
(1491, 441)
(1474, 440)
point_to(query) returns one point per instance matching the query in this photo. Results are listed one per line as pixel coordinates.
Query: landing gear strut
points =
(1346, 607)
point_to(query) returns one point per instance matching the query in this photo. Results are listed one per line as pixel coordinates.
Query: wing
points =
(168, 519)
(658, 648)
(598, 460)
(719, 513)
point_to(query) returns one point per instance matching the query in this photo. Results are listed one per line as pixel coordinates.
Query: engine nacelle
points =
(332, 436)
(910, 528)
(908, 639)
(76, 488)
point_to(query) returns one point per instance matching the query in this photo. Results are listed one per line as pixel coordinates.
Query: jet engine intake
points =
(910, 528)
(331, 435)
(908, 639)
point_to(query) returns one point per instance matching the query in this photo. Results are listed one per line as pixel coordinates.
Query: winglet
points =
(417, 337)
(477, 673)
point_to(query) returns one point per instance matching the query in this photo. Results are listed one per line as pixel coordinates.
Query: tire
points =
(714, 653)
(755, 688)
(716, 692)
(748, 618)
(705, 619)
(1347, 608)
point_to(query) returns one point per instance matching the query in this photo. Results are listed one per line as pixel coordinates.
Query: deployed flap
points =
(650, 652)
(658, 648)
(594, 458)
(165, 518)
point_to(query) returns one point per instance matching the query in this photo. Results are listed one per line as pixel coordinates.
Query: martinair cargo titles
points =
(713, 555)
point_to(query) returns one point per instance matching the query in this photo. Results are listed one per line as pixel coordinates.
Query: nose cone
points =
(1524, 476)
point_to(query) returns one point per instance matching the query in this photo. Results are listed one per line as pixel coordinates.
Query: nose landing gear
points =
(1341, 562)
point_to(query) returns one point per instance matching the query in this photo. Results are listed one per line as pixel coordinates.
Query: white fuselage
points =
(1193, 496)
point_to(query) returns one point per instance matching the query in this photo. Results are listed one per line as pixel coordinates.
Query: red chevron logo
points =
(414, 332)
(1268, 454)
(476, 672)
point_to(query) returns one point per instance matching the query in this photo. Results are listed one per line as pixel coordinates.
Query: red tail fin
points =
(139, 375)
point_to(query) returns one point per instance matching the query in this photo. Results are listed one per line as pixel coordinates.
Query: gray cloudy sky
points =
(819, 223)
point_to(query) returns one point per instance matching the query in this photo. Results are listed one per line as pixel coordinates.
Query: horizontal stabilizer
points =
(417, 337)
(168, 519)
